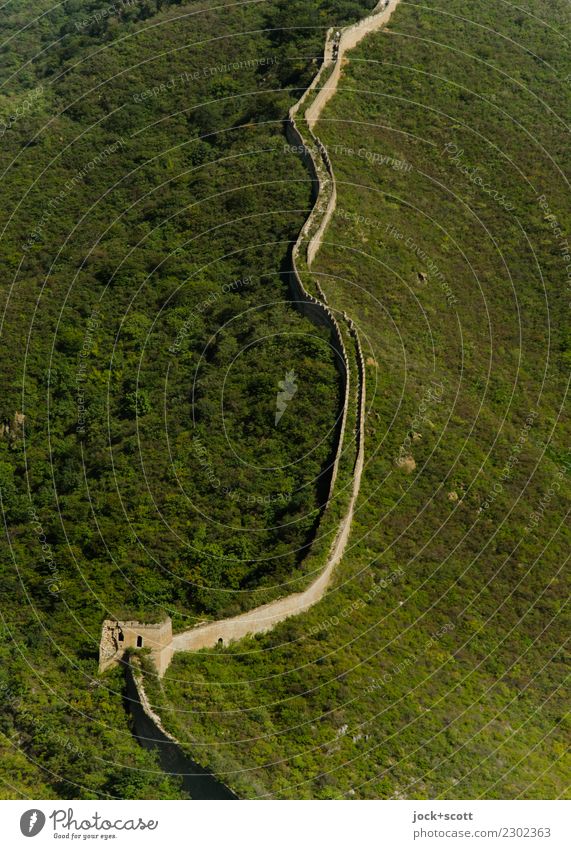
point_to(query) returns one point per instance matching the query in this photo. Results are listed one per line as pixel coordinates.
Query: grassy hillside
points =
(437, 665)
(146, 219)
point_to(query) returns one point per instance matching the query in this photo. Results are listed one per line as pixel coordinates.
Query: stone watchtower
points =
(117, 636)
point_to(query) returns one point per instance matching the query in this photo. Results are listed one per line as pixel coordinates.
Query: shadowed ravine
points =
(196, 781)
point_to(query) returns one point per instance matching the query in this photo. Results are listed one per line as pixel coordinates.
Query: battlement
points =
(117, 637)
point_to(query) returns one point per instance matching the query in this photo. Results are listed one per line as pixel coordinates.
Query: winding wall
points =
(265, 617)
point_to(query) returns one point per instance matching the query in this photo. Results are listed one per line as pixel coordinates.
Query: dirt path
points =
(264, 618)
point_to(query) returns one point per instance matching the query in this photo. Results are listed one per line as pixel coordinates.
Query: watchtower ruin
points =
(117, 637)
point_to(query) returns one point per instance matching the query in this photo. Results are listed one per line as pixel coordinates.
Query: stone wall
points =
(312, 307)
(264, 618)
(350, 37)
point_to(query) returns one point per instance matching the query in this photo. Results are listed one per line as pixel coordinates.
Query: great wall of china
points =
(118, 636)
